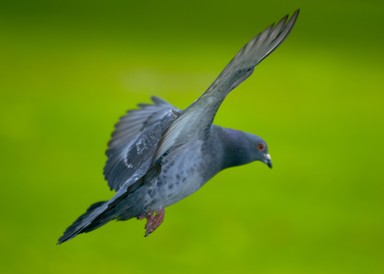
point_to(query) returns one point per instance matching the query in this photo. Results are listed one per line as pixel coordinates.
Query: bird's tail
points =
(122, 206)
(89, 221)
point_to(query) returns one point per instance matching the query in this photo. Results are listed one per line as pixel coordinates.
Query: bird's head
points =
(258, 149)
(244, 148)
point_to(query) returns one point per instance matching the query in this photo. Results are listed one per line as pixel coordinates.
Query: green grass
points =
(68, 74)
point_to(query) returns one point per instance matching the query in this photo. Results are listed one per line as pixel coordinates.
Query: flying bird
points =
(159, 154)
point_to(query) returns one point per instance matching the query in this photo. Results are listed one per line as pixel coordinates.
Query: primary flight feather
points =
(159, 154)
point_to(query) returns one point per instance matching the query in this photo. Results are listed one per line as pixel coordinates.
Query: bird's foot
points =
(154, 220)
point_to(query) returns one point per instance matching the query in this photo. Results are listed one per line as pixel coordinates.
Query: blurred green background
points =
(70, 68)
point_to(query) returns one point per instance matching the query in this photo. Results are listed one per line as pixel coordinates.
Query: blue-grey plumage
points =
(159, 154)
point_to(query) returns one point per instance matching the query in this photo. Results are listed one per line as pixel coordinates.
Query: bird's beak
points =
(268, 160)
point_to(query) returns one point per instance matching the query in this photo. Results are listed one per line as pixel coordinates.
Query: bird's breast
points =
(180, 176)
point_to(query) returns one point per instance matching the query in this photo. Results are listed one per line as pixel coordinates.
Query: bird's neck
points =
(235, 148)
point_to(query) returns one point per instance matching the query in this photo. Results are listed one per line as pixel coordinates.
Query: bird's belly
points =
(177, 180)
(178, 190)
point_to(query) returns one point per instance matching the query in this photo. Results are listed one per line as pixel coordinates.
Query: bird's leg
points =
(154, 220)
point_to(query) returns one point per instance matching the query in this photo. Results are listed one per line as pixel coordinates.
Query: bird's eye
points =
(260, 147)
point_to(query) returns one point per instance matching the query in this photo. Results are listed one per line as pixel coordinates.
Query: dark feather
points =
(135, 140)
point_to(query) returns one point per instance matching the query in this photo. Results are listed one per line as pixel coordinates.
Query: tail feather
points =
(122, 206)
(86, 222)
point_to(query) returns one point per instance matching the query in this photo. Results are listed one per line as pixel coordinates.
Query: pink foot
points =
(154, 220)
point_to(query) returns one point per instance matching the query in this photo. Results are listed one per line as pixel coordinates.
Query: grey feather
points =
(159, 155)
(197, 117)
(135, 139)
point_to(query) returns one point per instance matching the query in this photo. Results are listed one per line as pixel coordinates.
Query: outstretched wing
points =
(135, 140)
(193, 122)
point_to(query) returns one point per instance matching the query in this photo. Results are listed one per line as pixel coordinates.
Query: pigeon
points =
(159, 154)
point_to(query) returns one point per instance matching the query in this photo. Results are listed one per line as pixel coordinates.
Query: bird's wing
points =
(135, 140)
(198, 117)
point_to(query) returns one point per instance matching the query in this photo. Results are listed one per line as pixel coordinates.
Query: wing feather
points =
(135, 140)
(193, 122)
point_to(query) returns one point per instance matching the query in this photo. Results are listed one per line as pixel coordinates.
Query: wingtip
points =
(287, 18)
(157, 100)
(295, 14)
(289, 23)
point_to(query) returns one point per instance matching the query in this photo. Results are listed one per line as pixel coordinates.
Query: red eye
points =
(260, 147)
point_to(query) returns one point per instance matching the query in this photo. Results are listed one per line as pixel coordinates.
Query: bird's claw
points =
(154, 220)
